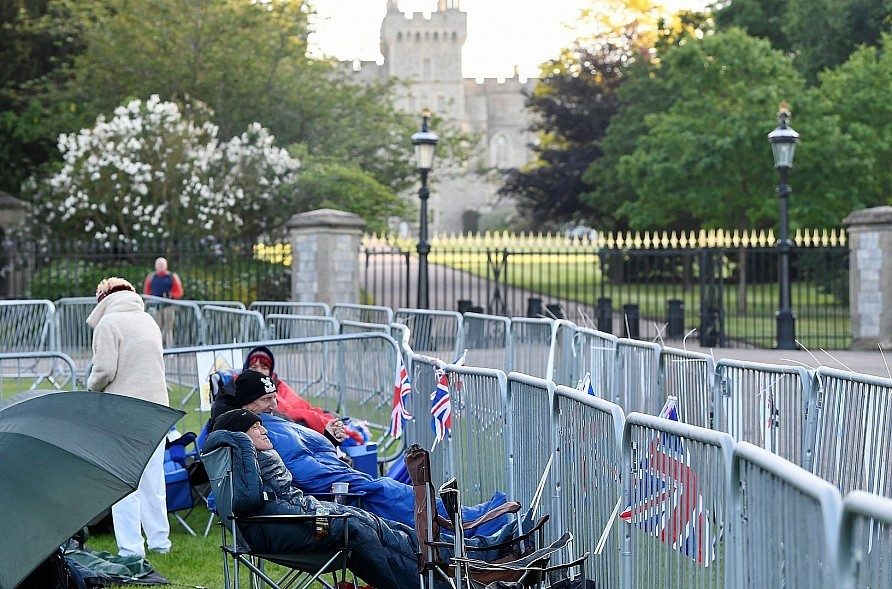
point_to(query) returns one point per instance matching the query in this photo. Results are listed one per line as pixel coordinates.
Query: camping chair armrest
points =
(509, 507)
(438, 544)
(514, 540)
(272, 519)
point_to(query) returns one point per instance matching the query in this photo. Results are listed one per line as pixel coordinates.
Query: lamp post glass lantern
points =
(783, 146)
(425, 142)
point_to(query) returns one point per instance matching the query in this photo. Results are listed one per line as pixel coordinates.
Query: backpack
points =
(222, 382)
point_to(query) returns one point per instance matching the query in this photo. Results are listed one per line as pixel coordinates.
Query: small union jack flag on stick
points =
(441, 407)
(402, 388)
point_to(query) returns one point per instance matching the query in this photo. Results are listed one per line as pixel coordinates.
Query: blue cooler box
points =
(365, 458)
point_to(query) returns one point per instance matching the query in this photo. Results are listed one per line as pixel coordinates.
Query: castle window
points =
(418, 36)
(399, 36)
(436, 36)
(500, 151)
(426, 68)
(454, 36)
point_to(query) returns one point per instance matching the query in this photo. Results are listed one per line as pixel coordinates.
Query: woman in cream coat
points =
(128, 360)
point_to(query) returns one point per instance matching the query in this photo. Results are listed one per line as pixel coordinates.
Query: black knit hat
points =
(237, 420)
(250, 385)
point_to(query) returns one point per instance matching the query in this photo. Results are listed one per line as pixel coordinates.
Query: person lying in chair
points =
(384, 553)
(314, 465)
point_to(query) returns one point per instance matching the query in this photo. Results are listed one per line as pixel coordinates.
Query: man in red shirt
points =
(164, 284)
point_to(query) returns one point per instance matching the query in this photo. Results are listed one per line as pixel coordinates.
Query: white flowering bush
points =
(154, 171)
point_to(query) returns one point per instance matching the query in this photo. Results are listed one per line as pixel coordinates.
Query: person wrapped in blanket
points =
(382, 552)
(298, 409)
(314, 464)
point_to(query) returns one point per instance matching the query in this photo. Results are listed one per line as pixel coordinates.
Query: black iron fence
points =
(210, 270)
(722, 291)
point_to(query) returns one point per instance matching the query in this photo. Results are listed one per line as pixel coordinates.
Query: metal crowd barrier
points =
(25, 325)
(637, 371)
(690, 378)
(785, 523)
(532, 346)
(180, 321)
(854, 430)
(586, 437)
(674, 507)
(362, 313)
(350, 374)
(528, 414)
(479, 445)
(595, 353)
(267, 308)
(298, 326)
(565, 370)
(434, 333)
(865, 541)
(768, 405)
(226, 325)
(30, 371)
(71, 334)
(488, 340)
(228, 304)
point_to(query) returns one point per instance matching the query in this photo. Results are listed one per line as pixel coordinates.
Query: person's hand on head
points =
(335, 427)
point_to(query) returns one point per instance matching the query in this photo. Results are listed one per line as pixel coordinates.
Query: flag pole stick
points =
(602, 541)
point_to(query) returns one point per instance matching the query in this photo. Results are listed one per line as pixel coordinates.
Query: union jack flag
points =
(441, 407)
(666, 502)
(402, 388)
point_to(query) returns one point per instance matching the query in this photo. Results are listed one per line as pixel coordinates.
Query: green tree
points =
(759, 18)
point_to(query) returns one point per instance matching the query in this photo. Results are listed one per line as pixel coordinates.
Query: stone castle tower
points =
(427, 53)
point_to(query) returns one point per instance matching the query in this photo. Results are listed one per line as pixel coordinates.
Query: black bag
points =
(53, 573)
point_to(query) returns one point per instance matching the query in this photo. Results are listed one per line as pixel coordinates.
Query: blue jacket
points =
(315, 465)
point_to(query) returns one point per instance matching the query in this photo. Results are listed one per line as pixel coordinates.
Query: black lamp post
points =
(425, 142)
(783, 146)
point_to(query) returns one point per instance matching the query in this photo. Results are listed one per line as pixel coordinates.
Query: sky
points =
(501, 33)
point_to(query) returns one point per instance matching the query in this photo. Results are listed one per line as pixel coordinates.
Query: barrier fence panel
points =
(434, 333)
(595, 353)
(298, 326)
(225, 325)
(785, 523)
(637, 376)
(768, 405)
(865, 541)
(479, 441)
(529, 414)
(674, 511)
(532, 346)
(30, 371)
(25, 325)
(418, 429)
(401, 334)
(854, 431)
(690, 377)
(180, 321)
(308, 365)
(588, 459)
(267, 308)
(348, 326)
(365, 370)
(71, 334)
(362, 313)
(488, 340)
(566, 369)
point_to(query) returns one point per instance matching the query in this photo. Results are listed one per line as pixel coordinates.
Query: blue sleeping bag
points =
(314, 464)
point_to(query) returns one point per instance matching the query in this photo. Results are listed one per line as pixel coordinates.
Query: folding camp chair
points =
(302, 569)
(185, 479)
(526, 567)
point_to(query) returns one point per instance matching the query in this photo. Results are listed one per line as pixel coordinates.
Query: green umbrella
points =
(64, 459)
